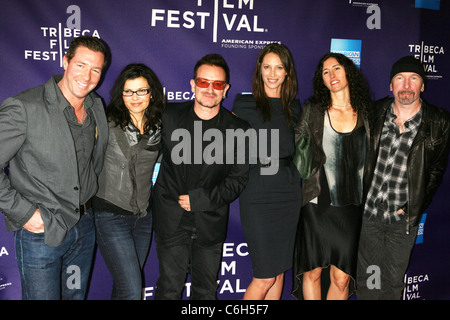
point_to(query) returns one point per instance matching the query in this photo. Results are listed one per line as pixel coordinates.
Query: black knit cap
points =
(408, 64)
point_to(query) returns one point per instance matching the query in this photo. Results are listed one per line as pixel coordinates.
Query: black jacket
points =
(427, 159)
(218, 184)
(311, 187)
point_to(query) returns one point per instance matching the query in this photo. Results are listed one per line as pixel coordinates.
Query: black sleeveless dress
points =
(270, 204)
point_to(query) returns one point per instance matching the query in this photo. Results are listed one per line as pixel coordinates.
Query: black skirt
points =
(270, 209)
(327, 235)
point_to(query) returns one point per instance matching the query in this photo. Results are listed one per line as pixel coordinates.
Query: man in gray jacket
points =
(53, 137)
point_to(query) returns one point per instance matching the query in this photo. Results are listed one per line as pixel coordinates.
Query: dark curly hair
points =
(118, 112)
(360, 96)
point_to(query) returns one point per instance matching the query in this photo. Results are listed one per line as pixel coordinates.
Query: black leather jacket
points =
(427, 159)
(311, 187)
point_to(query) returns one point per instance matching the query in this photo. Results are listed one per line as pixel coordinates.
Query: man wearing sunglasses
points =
(192, 196)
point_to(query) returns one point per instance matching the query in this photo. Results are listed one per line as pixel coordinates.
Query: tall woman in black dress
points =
(270, 204)
(330, 222)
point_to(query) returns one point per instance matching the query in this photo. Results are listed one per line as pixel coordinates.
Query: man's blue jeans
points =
(124, 242)
(54, 273)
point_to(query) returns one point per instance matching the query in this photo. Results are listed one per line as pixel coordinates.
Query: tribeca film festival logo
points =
(229, 281)
(413, 284)
(4, 282)
(412, 288)
(239, 147)
(59, 37)
(232, 13)
(428, 54)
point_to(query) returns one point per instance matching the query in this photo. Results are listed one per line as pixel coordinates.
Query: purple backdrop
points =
(171, 35)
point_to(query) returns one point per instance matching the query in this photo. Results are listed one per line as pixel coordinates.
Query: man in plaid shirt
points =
(389, 189)
(408, 156)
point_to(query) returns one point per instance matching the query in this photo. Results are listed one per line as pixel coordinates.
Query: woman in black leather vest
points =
(122, 204)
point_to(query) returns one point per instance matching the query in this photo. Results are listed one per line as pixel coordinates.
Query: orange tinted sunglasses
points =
(204, 83)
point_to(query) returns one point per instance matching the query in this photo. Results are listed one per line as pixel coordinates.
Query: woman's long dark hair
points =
(288, 88)
(118, 112)
(360, 97)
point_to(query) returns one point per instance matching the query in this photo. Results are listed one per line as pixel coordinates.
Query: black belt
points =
(283, 162)
(85, 207)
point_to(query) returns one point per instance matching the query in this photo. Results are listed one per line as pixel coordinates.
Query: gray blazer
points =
(36, 142)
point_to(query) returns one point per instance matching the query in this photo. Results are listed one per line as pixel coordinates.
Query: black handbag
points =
(304, 148)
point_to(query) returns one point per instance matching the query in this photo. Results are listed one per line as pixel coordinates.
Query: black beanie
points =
(408, 64)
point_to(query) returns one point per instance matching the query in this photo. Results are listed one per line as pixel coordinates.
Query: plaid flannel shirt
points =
(389, 188)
